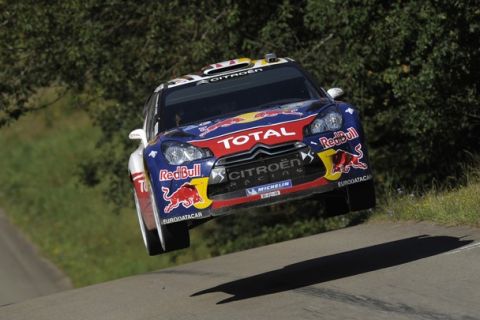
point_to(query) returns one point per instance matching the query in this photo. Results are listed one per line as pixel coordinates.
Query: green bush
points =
(412, 67)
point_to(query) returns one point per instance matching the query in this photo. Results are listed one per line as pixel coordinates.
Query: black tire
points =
(336, 203)
(176, 236)
(150, 237)
(361, 196)
(152, 242)
(356, 197)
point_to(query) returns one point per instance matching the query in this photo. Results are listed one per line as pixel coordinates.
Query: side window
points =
(152, 123)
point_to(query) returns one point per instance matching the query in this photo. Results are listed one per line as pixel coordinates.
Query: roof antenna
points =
(271, 57)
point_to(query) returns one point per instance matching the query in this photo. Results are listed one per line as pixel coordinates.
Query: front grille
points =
(263, 165)
(259, 151)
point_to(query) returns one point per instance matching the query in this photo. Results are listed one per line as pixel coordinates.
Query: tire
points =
(336, 203)
(361, 196)
(150, 237)
(356, 197)
(176, 236)
(173, 236)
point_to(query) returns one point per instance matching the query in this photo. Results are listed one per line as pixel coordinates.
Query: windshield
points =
(235, 93)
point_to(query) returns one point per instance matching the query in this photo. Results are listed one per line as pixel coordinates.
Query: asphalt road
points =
(372, 271)
(24, 274)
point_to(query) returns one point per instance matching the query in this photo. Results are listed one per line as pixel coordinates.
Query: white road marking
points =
(467, 247)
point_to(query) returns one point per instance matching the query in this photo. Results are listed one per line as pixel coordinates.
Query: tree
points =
(412, 67)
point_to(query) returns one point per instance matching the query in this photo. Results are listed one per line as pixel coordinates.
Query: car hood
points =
(239, 133)
(249, 120)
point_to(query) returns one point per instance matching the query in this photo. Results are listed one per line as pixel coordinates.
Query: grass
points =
(457, 206)
(71, 224)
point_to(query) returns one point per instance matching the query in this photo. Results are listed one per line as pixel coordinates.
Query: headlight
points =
(329, 121)
(177, 153)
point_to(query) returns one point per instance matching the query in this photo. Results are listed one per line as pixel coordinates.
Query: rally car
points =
(243, 133)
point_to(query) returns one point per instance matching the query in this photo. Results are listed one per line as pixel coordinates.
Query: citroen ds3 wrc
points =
(243, 133)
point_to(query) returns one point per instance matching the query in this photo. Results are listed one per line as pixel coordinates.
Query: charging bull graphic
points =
(249, 117)
(224, 123)
(343, 160)
(187, 195)
(276, 112)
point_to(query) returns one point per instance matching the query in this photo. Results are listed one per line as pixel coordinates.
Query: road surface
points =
(24, 274)
(372, 271)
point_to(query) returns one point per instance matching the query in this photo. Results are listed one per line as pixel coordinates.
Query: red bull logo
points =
(182, 172)
(339, 138)
(343, 161)
(187, 195)
(249, 117)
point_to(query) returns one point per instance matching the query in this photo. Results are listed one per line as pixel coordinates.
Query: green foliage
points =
(458, 206)
(122, 50)
(412, 67)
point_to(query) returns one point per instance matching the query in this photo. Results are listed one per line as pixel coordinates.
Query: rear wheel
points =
(361, 196)
(336, 203)
(355, 197)
(150, 237)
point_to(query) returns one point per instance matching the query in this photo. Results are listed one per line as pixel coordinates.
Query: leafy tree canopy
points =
(411, 66)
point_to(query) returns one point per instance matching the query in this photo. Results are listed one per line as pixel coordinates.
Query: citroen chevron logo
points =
(305, 155)
(218, 173)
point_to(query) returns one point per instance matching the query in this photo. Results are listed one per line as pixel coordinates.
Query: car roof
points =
(221, 68)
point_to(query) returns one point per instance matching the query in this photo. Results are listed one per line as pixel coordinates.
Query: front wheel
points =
(173, 236)
(176, 236)
(150, 237)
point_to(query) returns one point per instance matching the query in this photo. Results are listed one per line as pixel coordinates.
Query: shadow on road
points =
(337, 266)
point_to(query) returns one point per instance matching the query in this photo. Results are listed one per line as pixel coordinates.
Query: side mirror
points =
(139, 134)
(335, 92)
